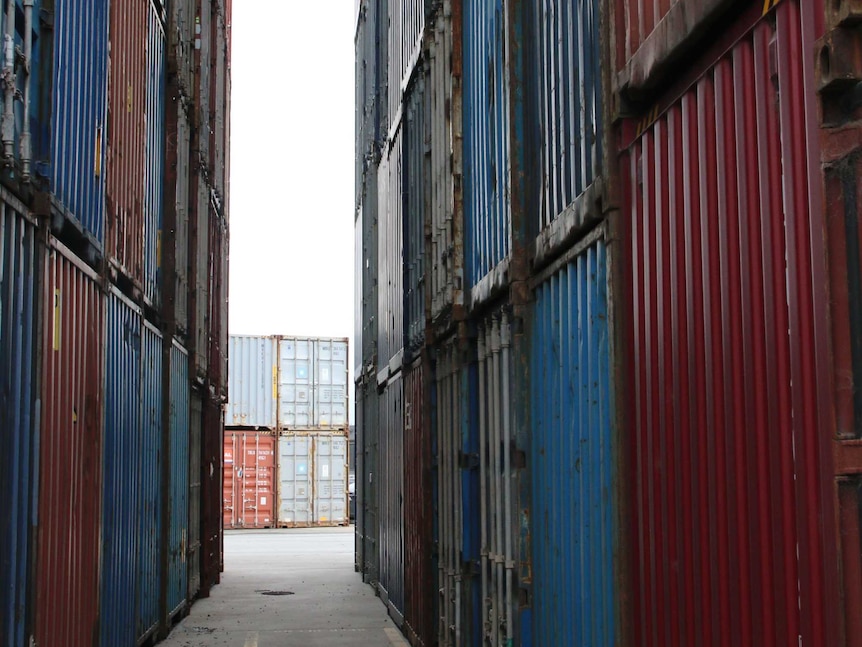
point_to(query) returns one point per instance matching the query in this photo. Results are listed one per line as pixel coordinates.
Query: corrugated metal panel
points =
(390, 473)
(366, 78)
(249, 479)
(312, 475)
(419, 576)
(370, 290)
(218, 333)
(19, 298)
(219, 105)
(203, 51)
(312, 383)
(121, 461)
(149, 513)
(211, 495)
(200, 284)
(252, 381)
(368, 504)
(179, 486)
(195, 476)
(573, 536)
(725, 346)
(177, 223)
(406, 23)
(487, 215)
(569, 103)
(155, 155)
(415, 188)
(79, 107)
(390, 244)
(125, 137)
(358, 467)
(180, 35)
(443, 123)
(70, 444)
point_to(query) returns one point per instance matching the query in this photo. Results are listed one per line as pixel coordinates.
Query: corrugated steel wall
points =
(369, 503)
(252, 382)
(70, 445)
(390, 245)
(573, 539)
(406, 21)
(487, 218)
(126, 136)
(20, 272)
(195, 503)
(390, 481)
(415, 189)
(249, 480)
(178, 243)
(155, 155)
(180, 409)
(79, 106)
(149, 514)
(367, 274)
(725, 343)
(121, 461)
(568, 104)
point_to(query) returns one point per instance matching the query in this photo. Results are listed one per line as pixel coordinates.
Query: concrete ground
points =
(327, 604)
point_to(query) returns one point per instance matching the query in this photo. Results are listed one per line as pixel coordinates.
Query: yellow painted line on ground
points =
(251, 639)
(395, 637)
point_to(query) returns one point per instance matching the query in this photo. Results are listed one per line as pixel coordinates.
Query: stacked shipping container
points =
(103, 444)
(286, 434)
(634, 351)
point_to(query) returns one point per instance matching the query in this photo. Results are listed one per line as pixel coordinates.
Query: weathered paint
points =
(390, 475)
(122, 473)
(573, 532)
(20, 272)
(217, 322)
(70, 446)
(149, 513)
(487, 218)
(727, 346)
(252, 381)
(195, 477)
(249, 479)
(569, 104)
(79, 107)
(212, 436)
(125, 137)
(419, 576)
(312, 383)
(390, 247)
(154, 171)
(179, 485)
(415, 198)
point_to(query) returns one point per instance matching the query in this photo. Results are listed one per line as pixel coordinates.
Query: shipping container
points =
(390, 270)
(178, 193)
(217, 323)
(487, 212)
(79, 106)
(366, 274)
(366, 125)
(312, 383)
(122, 473)
(180, 53)
(390, 475)
(149, 513)
(728, 345)
(252, 382)
(179, 409)
(416, 196)
(367, 492)
(195, 478)
(443, 134)
(249, 479)
(125, 139)
(154, 171)
(312, 479)
(212, 437)
(70, 446)
(406, 22)
(419, 576)
(574, 533)
(20, 281)
(218, 103)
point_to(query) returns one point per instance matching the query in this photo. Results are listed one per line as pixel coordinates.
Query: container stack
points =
(107, 414)
(286, 433)
(607, 271)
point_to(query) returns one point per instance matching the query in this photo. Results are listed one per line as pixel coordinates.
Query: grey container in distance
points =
(252, 381)
(312, 383)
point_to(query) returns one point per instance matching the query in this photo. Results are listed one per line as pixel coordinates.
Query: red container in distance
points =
(249, 479)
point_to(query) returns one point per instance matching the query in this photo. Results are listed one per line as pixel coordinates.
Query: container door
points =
(330, 480)
(295, 373)
(294, 487)
(229, 505)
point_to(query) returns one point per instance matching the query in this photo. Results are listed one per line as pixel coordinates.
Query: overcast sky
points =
(291, 203)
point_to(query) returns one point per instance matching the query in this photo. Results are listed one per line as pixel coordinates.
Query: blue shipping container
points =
(179, 509)
(19, 295)
(79, 110)
(122, 470)
(487, 219)
(155, 155)
(150, 510)
(573, 518)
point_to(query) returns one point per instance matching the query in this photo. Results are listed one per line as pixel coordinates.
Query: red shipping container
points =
(212, 437)
(126, 137)
(730, 409)
(421, 623)
(249, 479)
(67, 584)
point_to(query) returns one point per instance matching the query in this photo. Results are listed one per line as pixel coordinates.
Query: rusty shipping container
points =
(729, 382)
(70, 441)
(249, 479)
(212, 439)
(420, 577)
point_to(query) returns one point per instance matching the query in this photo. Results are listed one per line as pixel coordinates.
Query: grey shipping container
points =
(252, 381)
(312, 479)
(312, 383)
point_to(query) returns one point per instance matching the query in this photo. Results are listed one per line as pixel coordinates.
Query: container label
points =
(57, 313)
(325, 471)
(275, 382)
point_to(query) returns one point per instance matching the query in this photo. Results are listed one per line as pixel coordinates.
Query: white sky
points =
(292, 143)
